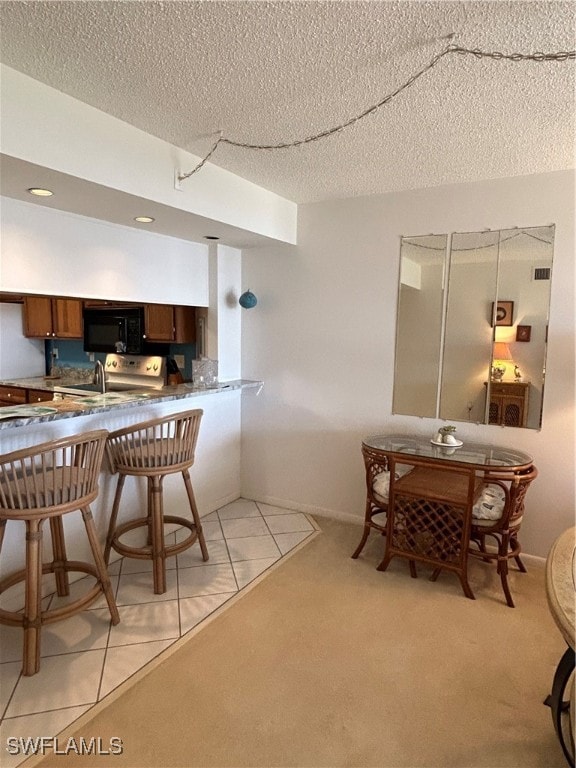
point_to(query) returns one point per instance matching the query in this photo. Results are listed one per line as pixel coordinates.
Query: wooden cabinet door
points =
(185, 324)
(512, 411)
(38, 316)
(12, 396)
(39, 396)
(67, 318)
(494, 410)
(159, 322)
(45, 317)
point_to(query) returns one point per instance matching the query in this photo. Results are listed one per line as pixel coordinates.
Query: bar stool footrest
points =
(145, 552)
(16, 618)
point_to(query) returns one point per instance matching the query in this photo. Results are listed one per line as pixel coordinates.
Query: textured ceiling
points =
(271, 72)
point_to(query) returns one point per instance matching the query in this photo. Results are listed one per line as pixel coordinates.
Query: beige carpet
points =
(328, 662)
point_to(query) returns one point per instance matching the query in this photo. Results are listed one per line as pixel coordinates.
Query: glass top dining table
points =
(479, 455)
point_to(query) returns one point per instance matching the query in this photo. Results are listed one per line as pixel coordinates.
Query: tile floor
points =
(84, 658)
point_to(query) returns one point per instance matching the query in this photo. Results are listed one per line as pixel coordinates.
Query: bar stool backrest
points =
(51, 478)
(152, 447)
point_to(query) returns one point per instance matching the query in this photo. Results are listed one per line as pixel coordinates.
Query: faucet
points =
(100, 376)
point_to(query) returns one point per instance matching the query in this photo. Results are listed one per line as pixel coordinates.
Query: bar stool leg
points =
(149, 508)
(195, 515)
(113, 516)
(59, 556)
(33, 596)
(157, 530)
(103, 576)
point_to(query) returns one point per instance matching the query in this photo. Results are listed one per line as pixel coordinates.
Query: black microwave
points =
(115, 330)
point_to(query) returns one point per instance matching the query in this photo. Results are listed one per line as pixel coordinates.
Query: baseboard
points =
(535, 560)
(213, 505)
(309, 509)
(348, 517)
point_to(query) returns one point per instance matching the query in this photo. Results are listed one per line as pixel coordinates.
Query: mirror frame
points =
(463, 342)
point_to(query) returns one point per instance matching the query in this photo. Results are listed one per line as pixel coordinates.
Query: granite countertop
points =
(47, 383)
(67, 406)
(561, 583)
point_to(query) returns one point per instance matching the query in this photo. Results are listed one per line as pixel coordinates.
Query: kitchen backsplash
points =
(68, 358)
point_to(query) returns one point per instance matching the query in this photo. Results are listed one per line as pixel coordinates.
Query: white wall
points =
(47, 251)
(224, 315)
(19, 357)
(322, 338)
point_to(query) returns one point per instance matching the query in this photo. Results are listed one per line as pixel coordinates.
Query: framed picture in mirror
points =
(504, 312)
(523, 332)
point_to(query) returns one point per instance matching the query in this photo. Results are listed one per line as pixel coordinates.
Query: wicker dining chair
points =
(377, 492)
(154, 449)
(497, 516)
(376, 507)
(46, 482)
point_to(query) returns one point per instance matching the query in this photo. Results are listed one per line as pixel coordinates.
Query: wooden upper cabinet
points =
(47, 318)
(185, 325)
(159, 322)
(67, 318)
(38, 316)
(163, 322)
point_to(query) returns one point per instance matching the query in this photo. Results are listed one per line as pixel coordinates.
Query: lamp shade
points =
(501, 351)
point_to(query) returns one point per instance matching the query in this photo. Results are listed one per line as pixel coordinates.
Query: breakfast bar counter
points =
(216, 471)
(69, 406)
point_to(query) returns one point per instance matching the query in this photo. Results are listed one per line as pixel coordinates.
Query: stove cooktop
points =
(89, 389)
(125, 373)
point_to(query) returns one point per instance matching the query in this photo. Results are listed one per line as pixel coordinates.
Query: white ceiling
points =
(270, 72)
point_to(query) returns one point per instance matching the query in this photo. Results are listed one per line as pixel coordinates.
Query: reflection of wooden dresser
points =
(509, 403)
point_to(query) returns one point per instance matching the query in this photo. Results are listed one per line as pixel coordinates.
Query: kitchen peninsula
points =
(216, 470)
(57, 406)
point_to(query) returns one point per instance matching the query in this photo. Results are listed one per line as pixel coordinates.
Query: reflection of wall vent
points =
(541, 273)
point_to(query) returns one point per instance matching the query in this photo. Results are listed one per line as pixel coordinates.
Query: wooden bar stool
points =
(154, 449)
(43, 483)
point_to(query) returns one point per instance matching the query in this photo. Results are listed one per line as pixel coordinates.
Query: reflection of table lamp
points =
(500, 356)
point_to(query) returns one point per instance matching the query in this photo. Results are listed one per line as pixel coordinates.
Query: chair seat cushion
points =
(45, 488)
(381, 482)
(490, 504)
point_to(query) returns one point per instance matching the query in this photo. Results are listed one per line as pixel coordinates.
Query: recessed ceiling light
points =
(144, 219)
(40, 192)
(211, 237)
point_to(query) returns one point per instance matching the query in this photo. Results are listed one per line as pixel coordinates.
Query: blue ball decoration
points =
(248, 300)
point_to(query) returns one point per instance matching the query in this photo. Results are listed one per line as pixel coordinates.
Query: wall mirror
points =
(472, 326)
